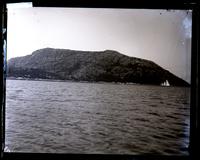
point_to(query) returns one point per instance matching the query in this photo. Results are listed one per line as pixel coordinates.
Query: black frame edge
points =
(1, 76)
(140, 4)
(3, 34)
(194, 79)
(49, 156)
(194, 110)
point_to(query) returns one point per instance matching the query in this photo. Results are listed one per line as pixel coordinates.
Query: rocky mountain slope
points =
(108, 65)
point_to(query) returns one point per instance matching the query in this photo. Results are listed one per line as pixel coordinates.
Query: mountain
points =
(93, 66)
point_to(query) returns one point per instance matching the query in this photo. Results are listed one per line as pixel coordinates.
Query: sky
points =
(158, 35)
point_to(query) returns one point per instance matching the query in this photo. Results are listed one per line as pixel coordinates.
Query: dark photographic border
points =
(135, 4)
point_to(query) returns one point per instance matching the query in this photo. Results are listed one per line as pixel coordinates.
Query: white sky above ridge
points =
(158, 35)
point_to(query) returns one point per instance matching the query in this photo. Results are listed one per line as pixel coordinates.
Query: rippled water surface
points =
(71, 117)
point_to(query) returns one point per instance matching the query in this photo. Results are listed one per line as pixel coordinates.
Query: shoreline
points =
(71, 81)
(97, 82)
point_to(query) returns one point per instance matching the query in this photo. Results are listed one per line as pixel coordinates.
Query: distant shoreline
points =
(58, 80)
(98, 82)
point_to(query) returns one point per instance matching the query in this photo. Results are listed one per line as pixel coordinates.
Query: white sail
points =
(165, 83)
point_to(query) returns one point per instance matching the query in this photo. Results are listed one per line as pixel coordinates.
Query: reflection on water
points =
(67, 117)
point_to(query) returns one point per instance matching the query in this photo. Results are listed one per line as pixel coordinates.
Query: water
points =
(103, 118)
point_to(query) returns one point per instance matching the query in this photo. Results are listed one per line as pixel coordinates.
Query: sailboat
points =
(166, 83)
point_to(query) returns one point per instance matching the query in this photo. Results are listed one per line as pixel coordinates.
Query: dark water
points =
(67, 117)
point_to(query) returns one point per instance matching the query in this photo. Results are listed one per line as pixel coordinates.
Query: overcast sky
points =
(158, 35)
